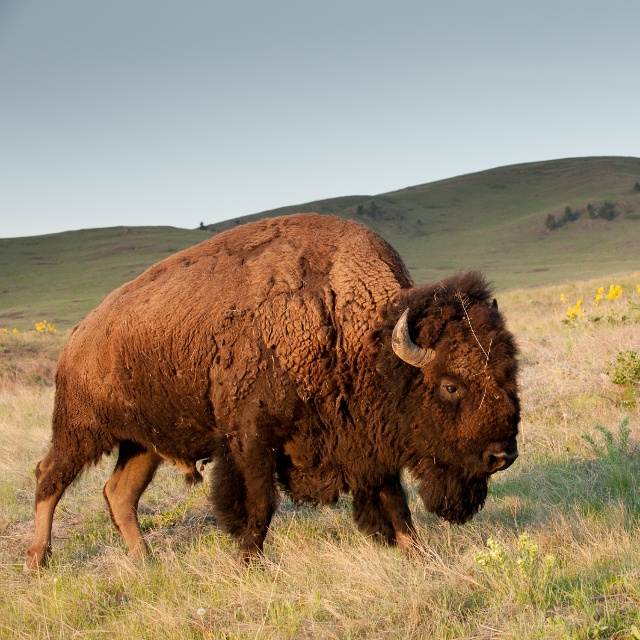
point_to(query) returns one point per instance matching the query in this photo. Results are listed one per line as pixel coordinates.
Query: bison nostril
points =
(500, 460)
(507, 458)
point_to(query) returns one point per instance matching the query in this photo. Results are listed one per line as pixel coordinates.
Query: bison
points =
(296, 354)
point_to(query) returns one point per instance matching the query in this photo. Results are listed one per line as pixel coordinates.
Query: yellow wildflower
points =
(575, 310)
(614, 292)
(599, 296)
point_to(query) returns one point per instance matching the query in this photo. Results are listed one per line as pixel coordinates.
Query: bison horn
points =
(407, 350)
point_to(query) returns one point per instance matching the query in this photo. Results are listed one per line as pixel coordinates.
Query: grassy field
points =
(555, 553)
(62, 277)
(493, 220)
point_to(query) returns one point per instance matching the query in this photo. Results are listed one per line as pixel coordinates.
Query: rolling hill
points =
(523, 225)
(496, 221)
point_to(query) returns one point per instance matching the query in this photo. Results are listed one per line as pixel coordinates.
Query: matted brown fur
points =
(267, 349)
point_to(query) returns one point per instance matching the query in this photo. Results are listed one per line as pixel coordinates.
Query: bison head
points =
(453, 370)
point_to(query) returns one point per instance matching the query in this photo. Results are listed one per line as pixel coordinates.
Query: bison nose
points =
(499, 459)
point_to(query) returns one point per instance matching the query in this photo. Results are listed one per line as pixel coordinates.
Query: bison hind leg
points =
(54, 473)
(132, 474)
(383, 513)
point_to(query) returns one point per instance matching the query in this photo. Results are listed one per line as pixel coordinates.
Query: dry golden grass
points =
(579, 507)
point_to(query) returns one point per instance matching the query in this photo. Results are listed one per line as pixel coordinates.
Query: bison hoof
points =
(409, 544)
(252, 557)
(140, 551)
(36, 558)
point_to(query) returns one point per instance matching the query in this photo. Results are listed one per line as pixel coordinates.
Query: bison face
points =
(462, 405)
(476, 417)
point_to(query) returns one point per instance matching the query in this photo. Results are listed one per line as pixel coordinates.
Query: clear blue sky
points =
(150, 112)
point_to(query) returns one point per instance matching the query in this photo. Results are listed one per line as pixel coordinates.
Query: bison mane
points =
(431, 308)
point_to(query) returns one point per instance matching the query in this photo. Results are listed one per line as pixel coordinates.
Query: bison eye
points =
(452, 389)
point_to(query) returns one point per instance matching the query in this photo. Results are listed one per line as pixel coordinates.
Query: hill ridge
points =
(495, 220)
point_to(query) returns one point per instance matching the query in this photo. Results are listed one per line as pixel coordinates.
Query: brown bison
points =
(297, 354)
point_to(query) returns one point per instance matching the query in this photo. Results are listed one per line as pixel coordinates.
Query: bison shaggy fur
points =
(296, 355)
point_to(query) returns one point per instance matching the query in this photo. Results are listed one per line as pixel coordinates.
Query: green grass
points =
(62, 277)
(493, 221)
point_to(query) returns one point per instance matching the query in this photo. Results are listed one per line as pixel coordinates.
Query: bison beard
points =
(297, 355)
(451, 495)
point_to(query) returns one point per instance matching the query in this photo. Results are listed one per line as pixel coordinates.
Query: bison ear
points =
(494, 305)
(405, 348)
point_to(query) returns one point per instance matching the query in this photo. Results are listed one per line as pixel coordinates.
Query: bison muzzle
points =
(296, 355)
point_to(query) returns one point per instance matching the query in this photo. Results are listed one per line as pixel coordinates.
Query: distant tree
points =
(636, 186)
(550, 222)
(370, 210)
(608, 211)
(591, 211)
(570, 215)
(201, 227)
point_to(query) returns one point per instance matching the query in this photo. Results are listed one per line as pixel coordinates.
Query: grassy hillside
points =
(61, 277)
(493, 220)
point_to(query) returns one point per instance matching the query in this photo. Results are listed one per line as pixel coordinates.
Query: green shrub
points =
(616, 472)
(626, 373)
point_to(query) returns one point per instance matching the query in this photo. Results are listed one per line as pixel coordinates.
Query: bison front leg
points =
(133, 472)
(244, 497)
(383, 513)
